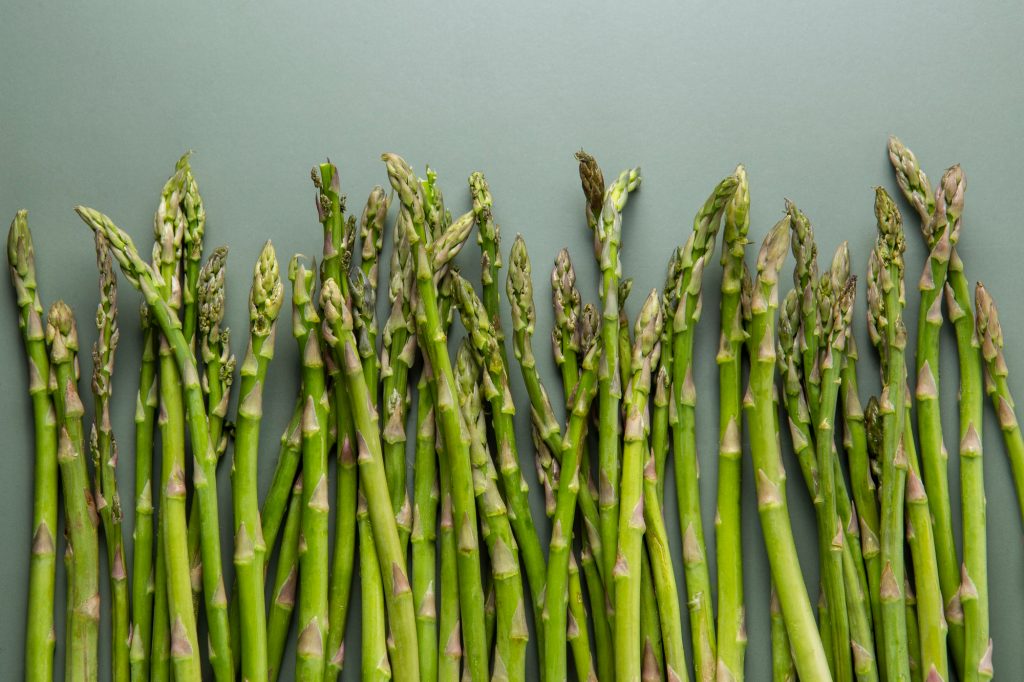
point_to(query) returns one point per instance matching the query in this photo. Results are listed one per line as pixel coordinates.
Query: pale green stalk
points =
(282, 592)
(424, 531)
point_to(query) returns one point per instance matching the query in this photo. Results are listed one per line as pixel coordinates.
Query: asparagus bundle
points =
(878, 619)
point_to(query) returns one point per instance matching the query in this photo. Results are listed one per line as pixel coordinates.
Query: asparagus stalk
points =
(805, 280)
(607, 230)
(275, 504)
(489, 238)
(149, 283)
(602, 631)
(104, 450)
(371, 237)
(808, 652)
(143, 567)
(169, 225)
(424, 531)
(397, 592)
(568, 307)
(940, 227)
(577, 633)
(661, 393)
(39, 631)
(974, 579)
(732, 631)
(265, 300)
(913, 636)
(696, 255)
(83, 613)
(160, 645)
(555, 615)
(282, 594)
(990, 334)
(192, 240)
(432, 336)
(888, 333)
(835, 312)
(627, 574)
(449, 642)
(486, 344)
(313, 556)
(653, 661)
(782, 658)
(511, 629)
(375, 651)
(663, 576)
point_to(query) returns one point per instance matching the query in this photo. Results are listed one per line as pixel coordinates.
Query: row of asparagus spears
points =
(451, 565)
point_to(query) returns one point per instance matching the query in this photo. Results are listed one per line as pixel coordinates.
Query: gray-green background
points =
(97, 101)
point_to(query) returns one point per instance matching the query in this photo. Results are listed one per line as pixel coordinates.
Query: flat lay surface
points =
(97, 103)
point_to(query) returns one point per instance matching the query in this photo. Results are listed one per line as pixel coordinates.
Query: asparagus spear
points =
(371, 237)
(192, 240)
(576, 632)
(424, 531)
(146, 279)
(627, 574)
(808, 652)
(169, 226)
(661, 393)
(431, 335)
(835, 312)
(941, 230)
(607, 230)
(375, 651)
(143, 567)
(555, 615)
(782, 658)
(990, 334)
(888, 333)
(83, 614)
(339, 336)
(104, 451)
(695, 256)
(732, 631)
(265, 300)
(489, 238)
(805, 280)
(282, 594)
(275, 504)
(487, 354)
(39, 631)
(511, 629)
(313, 557)
(449, 642)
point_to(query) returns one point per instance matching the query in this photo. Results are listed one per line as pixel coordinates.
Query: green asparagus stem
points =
(602, 630)
(511, 630)
(782, 658)
(433, 338)
(487, 354)
(990, 334)
(974, 579)
(568, 307)
(664, 577)
(169, 225)
(83, 612)
(607, 239)
(489, 238)
(940, 227)
(555, 614)
(146, 280)
(143, 567)
(449, 652)
(931, 623)
(808, 652)
(835, 312)
(913, 638)
(424, 531)
(313, 556)
(195, 226)
(577, 633)
(805, 280)
(732, 630)
(282, 595)
(104, 451)
(339, 336)
(375, 651)
(397, 356)
(627, 574)
(696, 255)
(653, 662)
(371, 237)
(888, 333)
(661, 394)
(265, 300)
(160, 647)
(39, 631)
